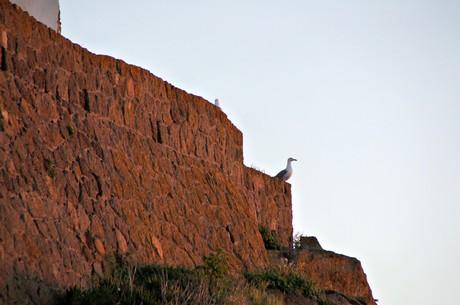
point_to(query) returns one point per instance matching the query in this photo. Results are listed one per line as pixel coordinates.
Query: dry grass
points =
(250, 294)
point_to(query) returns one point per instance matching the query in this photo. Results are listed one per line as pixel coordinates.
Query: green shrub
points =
(50, 165)
(156, 284)
(108, 292)
(270, 240)
(207, 284)
(287, 280)
(71, 130)
(296, 244)
(215, 264)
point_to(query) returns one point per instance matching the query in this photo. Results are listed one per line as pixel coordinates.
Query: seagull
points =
(285, 174)
(216, 102)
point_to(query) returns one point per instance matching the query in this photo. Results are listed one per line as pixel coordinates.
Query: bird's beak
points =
(294, 159)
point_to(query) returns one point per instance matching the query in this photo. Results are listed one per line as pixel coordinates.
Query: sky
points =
(365, 94)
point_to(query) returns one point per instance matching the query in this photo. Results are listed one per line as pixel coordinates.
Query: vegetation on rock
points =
(271, 242)
(207, 284)
(289, 281)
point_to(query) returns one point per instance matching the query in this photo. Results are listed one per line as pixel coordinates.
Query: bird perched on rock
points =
(286, 173)
(216, 102)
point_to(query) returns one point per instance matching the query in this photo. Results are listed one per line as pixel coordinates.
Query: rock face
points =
(100, 158)
(342, 277)
(309, 242)
(332, 271)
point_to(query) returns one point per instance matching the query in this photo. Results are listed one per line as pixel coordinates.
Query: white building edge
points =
(45, 11)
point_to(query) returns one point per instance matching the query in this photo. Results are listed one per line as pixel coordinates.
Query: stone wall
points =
(98, 158)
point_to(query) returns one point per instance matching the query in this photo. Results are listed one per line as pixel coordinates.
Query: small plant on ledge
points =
(296, 241)
(270, 240)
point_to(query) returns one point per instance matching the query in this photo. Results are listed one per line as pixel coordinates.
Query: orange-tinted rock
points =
(99, 246)
(332, 271)
(99, 157)
(342, 277)
(121, 242)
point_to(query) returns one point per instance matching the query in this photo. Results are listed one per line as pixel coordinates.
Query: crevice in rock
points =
(153, 129)
(80, 192)
(58, 96)
(227, 228)
(86, 100)
(159, 140)
(171, 114)
(3, 65)
(46, 82)
(99, 184)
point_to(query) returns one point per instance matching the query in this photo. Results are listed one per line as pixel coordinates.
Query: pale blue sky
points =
(365, 94)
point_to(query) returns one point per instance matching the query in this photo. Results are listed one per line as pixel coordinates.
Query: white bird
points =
(216, 102)
(286, 173)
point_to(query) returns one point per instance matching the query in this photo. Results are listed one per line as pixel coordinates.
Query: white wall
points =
(45, 11)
